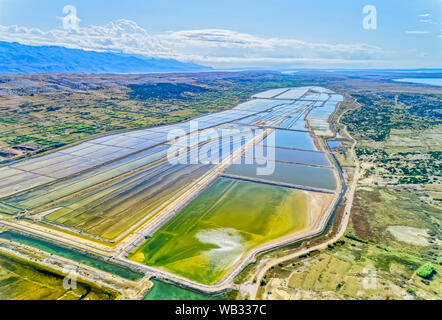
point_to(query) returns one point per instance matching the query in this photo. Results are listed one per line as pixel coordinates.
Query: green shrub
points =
(425, 271)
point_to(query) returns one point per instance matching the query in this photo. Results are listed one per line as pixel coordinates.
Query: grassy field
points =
(398, 217)
(20, 280)
(212, 232)
(352, 269)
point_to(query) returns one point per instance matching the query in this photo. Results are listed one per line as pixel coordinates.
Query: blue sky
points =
(240, 33)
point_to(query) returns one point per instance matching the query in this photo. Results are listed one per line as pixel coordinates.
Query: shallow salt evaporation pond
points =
(313, 158)
(287, 173)
(289, 139)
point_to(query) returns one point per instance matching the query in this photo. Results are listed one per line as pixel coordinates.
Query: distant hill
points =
(17, 58)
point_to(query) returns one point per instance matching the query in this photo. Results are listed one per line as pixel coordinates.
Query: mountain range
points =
(16, 58)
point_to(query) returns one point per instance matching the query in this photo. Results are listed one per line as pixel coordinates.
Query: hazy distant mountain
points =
(16, 58)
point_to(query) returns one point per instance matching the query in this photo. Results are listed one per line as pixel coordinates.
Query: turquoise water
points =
(165, 291)
(72, 255)
(430, 81)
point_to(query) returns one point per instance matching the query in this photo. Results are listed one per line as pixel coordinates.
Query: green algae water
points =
(71, 255)
(206, 238)
(166, 291)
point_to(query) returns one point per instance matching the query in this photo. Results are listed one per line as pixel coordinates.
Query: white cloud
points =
(429, 21)
(417, 32)
(122, 35)
(215, 47)
(424, 15)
